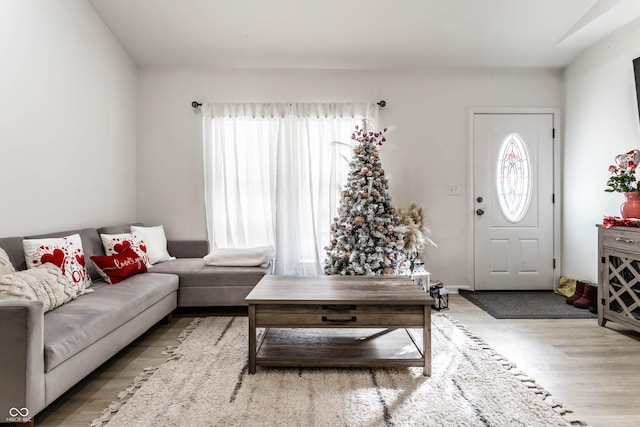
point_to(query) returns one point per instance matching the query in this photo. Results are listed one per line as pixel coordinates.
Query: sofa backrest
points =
(91, 245)
(117, 229)
(188, 248)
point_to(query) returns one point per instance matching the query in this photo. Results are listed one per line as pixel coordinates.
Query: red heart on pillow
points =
(80, 259)
(119, 247)
(55, 258)
(143, 248)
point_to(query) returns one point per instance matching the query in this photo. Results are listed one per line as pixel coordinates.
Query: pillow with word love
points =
(115, 268)
(65, 252)
(116, 243)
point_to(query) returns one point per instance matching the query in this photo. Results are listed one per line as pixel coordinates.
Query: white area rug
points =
(205, 383)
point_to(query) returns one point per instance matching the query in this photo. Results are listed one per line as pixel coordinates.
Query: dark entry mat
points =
(526, 305)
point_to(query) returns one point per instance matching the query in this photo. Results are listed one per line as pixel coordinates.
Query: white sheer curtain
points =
(273, 174)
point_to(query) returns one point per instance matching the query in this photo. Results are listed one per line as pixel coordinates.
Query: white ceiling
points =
(361, 34)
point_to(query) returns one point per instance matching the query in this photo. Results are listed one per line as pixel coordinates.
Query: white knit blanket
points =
(241, 257)
(5, 263)
(44, 283)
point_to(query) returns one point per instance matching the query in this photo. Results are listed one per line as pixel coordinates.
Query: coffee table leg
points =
(426, 341)
(252, 339)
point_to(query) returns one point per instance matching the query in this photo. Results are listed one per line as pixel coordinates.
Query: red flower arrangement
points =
(623, 173)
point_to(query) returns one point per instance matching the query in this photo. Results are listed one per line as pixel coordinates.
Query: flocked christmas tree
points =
(364, 236)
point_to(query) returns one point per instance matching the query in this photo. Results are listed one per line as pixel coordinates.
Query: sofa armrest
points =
(21, 359)
(188, 248)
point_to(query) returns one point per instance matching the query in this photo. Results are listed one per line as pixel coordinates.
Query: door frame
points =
(557, 184)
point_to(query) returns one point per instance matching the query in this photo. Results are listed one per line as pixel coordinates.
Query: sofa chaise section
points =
(203, 285)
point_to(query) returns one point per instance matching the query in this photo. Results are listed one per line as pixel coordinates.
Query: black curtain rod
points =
(381, 104)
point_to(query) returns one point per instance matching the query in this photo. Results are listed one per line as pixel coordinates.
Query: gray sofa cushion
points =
(188, 248)
(78, 324)
(117, 229)
(194, 272)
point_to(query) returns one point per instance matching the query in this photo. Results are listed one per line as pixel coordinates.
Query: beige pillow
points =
(44, 283)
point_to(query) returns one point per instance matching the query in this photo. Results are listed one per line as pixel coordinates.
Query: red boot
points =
(578, 293)
(588, 298)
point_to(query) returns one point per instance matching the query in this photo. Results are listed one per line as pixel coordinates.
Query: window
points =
(273, 174)
(513, 178)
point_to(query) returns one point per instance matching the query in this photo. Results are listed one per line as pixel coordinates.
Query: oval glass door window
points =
(513, 178)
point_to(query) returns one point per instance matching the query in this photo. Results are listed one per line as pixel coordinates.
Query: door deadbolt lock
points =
(480, 212)
(479, 199)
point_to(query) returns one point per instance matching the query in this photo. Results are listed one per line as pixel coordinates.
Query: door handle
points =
(480, 212)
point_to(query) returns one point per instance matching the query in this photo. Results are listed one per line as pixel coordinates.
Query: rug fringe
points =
(524, 378)
(140, 379)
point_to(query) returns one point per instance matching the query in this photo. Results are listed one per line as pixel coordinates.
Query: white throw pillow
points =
(6, 266)
(155, 240)
(65, 252)
(116, 243)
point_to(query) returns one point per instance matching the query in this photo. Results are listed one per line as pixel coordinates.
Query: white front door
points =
(513, 201)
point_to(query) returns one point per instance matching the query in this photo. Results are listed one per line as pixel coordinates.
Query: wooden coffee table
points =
(339, 321)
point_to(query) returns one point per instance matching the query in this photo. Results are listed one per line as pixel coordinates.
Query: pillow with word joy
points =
(65, 252)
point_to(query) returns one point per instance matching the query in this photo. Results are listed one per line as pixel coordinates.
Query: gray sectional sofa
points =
(45, 354)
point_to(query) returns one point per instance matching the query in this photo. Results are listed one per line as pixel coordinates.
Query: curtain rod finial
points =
(382, 103)
(196, 104)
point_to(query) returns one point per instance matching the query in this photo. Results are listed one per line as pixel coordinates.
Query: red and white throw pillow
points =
(115, 268)
(65, 252)
(116, 243)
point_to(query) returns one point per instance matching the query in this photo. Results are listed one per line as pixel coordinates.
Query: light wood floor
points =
(594, 371)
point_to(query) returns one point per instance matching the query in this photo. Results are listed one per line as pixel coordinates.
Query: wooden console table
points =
(319, 320)
(619, 276)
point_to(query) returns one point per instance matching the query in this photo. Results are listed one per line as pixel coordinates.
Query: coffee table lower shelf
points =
(339, 347)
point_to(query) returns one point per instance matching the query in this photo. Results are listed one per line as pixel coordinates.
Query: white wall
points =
(426, 151)
(68, 98)
(601, 121)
